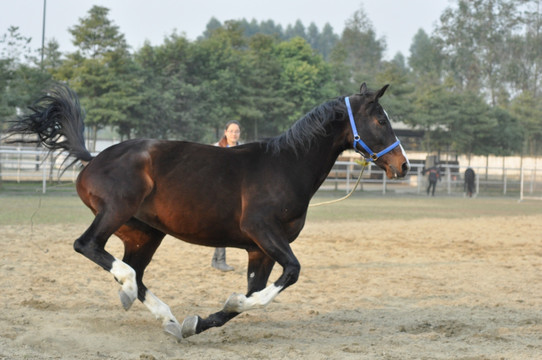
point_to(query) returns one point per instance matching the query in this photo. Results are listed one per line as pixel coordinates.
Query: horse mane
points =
(300, 137)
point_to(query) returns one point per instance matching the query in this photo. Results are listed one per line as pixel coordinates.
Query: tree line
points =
(472, 86)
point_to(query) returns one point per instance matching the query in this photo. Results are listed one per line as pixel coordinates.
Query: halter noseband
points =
(357, 140)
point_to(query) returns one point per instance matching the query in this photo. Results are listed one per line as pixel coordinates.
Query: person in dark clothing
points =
(434, 176)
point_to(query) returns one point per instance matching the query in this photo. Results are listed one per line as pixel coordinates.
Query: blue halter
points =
(357, 140)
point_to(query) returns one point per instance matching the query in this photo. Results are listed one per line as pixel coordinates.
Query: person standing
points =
(434, 176)
(232, 133)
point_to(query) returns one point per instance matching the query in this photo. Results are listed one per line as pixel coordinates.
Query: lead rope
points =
(364, 163)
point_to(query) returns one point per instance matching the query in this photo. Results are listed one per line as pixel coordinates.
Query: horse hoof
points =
(126, 300)
(173, 328)
(235, 303)
(189, 326)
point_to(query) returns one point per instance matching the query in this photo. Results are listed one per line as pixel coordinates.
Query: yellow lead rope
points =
(364, 164)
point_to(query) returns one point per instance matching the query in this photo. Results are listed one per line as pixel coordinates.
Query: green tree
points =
(528, 110)
(270, 28)
(265, 100)
(96, 34)
(358, 51)
(305, 79)
(431, 106)
(102, 73)
(532, 58)
(52, 59)
(474, 39)
(297, 30)
(172, 75)
(313, 36)
(524, 73)
(213, 25)
(21, 80)
(469, 125)
(507, 138)
(155, 115)
(463, 122)
(426, 60)
(217, 68)
(327, 41)
(399, 98)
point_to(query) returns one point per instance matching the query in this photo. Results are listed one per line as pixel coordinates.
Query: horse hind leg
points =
(92, 245)
(113, 209)
(140, 243)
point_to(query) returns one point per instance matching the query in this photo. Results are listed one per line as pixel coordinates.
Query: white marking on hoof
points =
(125, 276)
(125, 300)
(189, 326)
(162, 312)
(173, 328)
(235, 303)
(240, 303)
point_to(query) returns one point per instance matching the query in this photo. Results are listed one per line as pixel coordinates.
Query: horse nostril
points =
(405, 167)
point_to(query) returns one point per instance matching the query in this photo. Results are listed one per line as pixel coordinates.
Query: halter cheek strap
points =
(357, 139)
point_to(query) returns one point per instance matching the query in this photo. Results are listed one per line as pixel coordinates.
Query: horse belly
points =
(193, 223)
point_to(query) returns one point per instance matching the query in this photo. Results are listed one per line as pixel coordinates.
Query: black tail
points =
(57, 120)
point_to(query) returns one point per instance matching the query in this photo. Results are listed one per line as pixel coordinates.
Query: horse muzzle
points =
(393, 172)
(397, 164)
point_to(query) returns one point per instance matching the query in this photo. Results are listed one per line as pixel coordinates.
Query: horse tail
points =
(57, 120)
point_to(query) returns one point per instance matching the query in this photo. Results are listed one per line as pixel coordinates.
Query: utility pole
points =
(43, 34)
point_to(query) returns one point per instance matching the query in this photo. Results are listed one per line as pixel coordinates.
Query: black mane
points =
(300, 137)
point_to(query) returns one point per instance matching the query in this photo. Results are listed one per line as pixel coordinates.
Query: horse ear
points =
(381, 92)
(363, 89)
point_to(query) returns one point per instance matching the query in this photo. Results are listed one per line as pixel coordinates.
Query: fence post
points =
(44, 178)
(521, 183)
(18, 165)
(531, 187)
(477, 184)
(420, 179)
(504, 181)
(449, 179)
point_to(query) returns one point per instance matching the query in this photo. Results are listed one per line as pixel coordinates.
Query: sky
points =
(153, 20)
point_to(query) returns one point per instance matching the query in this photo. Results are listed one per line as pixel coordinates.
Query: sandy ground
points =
(423, 289)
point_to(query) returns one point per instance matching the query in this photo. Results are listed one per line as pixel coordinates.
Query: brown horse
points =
(254, 196)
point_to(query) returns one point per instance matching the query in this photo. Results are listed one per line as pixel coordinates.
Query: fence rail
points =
(21, 164)
(521, 182)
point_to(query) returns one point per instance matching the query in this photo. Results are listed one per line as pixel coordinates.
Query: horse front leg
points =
(259, 269)
(276, 249)
(238, 303)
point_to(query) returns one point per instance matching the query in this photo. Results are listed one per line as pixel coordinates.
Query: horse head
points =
(372, 135)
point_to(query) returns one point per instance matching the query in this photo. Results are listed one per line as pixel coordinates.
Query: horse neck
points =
(321, 157)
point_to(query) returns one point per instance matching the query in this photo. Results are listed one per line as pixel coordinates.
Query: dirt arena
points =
(416, 289)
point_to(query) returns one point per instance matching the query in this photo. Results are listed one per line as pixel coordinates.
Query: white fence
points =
(490, 181)
(23, 164)
(19, 164)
